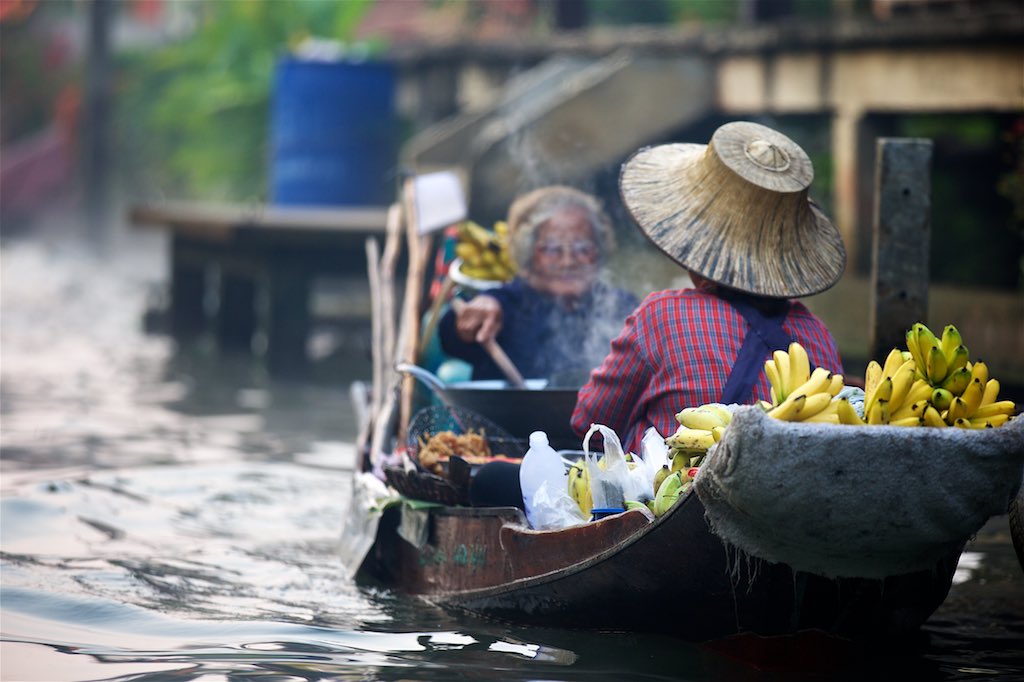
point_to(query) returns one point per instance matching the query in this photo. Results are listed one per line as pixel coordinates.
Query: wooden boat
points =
(632, 572)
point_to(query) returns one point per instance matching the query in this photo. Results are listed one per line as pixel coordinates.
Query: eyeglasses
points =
(580, 250)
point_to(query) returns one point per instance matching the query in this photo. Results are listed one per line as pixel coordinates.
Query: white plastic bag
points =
(553, 508)
(611, 485)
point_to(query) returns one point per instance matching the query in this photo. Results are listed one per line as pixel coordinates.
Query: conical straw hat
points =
(736, 211)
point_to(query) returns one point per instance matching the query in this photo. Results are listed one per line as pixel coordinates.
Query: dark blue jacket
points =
(544, 338)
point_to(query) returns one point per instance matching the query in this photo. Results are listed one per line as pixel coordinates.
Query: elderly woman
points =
(556, 319)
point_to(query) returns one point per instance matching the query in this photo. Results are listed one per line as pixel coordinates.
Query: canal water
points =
(176, 515)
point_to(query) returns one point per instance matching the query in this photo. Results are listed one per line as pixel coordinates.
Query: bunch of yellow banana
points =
(933, 383)
(485, 255)
(798, 394)
(895, 394)
(699, 429)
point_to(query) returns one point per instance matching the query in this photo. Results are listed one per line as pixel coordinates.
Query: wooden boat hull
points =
(671, 576)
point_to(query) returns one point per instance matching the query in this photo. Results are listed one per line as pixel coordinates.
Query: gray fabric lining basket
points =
(856, 501)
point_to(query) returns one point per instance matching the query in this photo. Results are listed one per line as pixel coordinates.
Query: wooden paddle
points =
(497, 353)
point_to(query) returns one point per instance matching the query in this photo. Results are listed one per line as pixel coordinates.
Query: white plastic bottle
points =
(540, 464)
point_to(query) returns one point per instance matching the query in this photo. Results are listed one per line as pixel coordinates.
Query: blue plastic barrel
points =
(333, 133)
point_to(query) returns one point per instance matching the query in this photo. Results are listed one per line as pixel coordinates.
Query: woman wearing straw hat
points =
(734, 213)
(555, 320)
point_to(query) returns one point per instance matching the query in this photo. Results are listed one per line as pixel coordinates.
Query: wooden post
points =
(188, 289)
(236, 319)
(901, 240)
(289, 316)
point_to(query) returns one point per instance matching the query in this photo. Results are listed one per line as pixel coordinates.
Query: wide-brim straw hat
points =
(736, 211)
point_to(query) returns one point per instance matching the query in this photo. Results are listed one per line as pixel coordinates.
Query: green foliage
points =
(196, 113)
(617, 12)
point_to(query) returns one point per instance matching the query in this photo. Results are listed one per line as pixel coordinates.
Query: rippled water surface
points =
(172, 515)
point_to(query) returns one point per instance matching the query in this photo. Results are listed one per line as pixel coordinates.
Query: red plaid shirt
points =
(676, 350)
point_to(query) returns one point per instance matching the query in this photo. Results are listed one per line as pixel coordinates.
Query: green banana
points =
(958, 359)
(941, 399)
(680, 461)
(950, 340)
(661, 475)
(925, 342)
(668, 493)
(957, 381)
(937, 366)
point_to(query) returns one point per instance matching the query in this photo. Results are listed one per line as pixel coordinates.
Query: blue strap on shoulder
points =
(766, 335)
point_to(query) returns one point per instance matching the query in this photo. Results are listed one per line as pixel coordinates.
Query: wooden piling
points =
(901, 240)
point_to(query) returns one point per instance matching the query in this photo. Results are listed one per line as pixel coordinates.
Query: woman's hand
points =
(479, 320)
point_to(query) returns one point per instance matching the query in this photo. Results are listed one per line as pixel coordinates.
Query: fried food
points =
(437, 449)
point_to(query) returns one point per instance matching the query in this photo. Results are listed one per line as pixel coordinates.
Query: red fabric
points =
(676, 351)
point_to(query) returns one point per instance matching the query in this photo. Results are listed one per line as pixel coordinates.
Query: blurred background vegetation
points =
(194, 112)
(192, 85)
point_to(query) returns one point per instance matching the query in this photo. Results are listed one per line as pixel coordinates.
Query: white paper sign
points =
(440, 201)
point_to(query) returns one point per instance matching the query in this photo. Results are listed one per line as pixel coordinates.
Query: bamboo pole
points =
(419, 253)
(376, 326)
(385, 394)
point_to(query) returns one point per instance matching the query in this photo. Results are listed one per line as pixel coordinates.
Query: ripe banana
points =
(814, 404)
(484, 254)
(989, 422)
(991, 392)
(788, 409)
(878, 413)
(902, 381)
(819, 381)
(783, 389)
(972, 396)
(772, 371)
(847, 413)
(1001, 407)
(799, 365)
(915, 351)
(893, 361)
(980, 371)
(872, 376)
(932, 417)
(700, 418)
(836, 385)
(686, 438)
(579, 487)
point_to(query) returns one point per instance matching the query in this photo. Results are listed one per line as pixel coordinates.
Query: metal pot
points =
(520, 411)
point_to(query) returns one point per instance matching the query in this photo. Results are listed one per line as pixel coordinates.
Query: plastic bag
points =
(553, 509)
(655, 455)
(611, 484)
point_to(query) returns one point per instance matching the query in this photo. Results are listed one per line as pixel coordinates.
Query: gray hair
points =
(531, 210)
